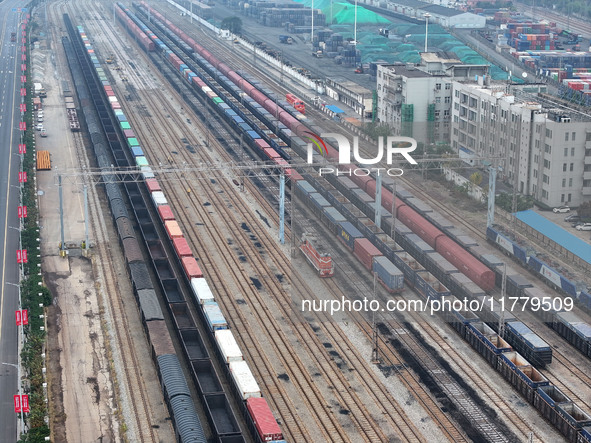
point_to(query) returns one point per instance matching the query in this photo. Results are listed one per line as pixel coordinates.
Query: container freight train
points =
(453, 252)
(477, 271)
(578, 333)
(557, 314)
(175, 389)
(176, 392)
(558, 409)
(423, 267)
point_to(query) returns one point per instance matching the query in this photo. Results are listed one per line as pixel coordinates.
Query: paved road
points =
(9, 138)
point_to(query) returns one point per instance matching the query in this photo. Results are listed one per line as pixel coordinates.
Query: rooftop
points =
(406, 71)
(554, 232)
(440, 57)
(441, 10)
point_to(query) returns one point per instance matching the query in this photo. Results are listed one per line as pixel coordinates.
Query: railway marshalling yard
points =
(316, 370)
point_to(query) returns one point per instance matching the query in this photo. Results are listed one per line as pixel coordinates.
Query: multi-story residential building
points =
(414, 103)
(416, 100)
(541, 148)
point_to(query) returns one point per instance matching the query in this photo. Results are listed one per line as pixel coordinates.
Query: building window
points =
(448, 86)
(566, 136)
(544, 193)
(566, 152)
(548, 133)
(547, 164)
(588, 137)
(573, 136)
(456, 106)
(437, 112)
(446, 113)
(473, 102)
(545, 179)
(438, 86)
(570, 182)
(437, 99)
(535, 173)
(572, 166)
(457, 93)
(572, 151)
(562, 198)
(447, 100)
(547, 149)
(569, 197)
(564, 183)
(536, 158)
(564, 167)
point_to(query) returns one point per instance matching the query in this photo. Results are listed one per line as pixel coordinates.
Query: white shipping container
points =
(227, 345)
(113, 99)
(159, 198)
(147, 172)
(201, 290)
(243, 379)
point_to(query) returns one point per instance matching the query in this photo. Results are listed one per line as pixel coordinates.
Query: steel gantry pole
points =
(282, 207)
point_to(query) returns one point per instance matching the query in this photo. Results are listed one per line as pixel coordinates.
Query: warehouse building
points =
(442, 15)
(542, 149)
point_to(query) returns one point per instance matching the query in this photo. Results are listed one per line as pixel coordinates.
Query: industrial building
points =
(541, 147)
(444, 16)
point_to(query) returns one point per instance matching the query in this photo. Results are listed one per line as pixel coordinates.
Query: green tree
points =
(233, 24)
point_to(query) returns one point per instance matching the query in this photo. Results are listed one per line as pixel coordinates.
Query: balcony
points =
(587, 190)
(588, 160)
(587, 175)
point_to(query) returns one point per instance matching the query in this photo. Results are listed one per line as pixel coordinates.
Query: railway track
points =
(359, 412)
(139, 408)
(503, 406)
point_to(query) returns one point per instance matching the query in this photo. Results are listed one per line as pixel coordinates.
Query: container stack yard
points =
(527, 35)
(295, 17)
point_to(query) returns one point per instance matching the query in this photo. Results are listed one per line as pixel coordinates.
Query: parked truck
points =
(285, 39)
(39, 90)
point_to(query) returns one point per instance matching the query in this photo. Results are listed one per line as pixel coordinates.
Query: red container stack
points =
(181, 247)
(165, 213)
(192, 269)
(265, 423)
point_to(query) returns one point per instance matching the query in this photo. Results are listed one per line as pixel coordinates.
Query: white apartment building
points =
(542, 149)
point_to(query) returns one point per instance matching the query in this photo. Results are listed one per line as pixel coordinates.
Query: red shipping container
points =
(172, 229)
(261, 143)
(181, 247)
(153, 185)
(365, 251)
(110, 93)
(263, 419)
(271, 153)
(165, 213)
(108, 88)
(128, 133)
(192, 269)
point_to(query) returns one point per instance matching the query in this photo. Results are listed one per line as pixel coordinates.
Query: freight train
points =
(175, 389)
(567, 324)
(557, 408)
(465, 260)
(453, 252)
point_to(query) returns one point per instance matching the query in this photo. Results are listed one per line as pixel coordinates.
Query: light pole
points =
(426, 15)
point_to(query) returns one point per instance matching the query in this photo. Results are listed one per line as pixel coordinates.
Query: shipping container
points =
(365, 251)
(389, 275)
(191, 268)
(263, 419)
(214, 317)
(153, 185)
(172, 229)
(159, 198)
(165, 213)
(181, 247)
(348, 233)
(243, 379)
(227, 346)
(201, 290)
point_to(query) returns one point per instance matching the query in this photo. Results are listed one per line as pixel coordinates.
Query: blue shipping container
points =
(349, 233)
(333, 216)
(137, 151)
(305, 187)
(214, 316)
(389, 274)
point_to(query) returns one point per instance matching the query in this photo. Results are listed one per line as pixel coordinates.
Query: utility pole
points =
(378, 202)
(282, 207)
